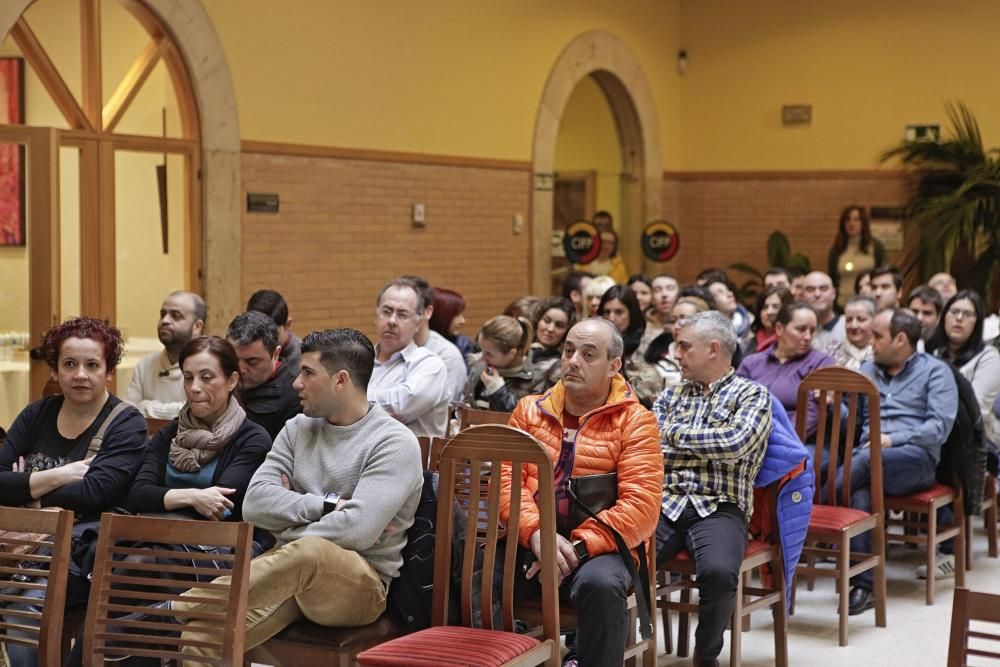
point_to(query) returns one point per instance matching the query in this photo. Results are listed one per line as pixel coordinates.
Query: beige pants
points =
(310, 577)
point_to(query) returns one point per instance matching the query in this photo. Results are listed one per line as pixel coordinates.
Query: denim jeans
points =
(311, 577)
(905, 469)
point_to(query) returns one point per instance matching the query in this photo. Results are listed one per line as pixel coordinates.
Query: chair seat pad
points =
(753, 547)
(926, 496)
(449, 646)
(307, 632)
(830, 518)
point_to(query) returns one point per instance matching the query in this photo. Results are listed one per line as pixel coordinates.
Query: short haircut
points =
(603, 215)
(413, 284)
(199, 306)
(616, 348)
(343, 350)
(253, 326)
(108, 337)
(220, 348)
(906, 322)
(270, 303)
(712, 325)
(699, 292)
(448, 304)
(712, 275)
(927, 295)
(571, 283)
(425, 293)
(640, 278)
(795, 272)
(865, 301)
(779, 271)
(888, 269)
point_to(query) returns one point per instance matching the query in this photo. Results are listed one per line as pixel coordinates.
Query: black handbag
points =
(592, 494)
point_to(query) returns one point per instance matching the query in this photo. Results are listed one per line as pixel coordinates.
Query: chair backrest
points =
(51, 388)
(971, 606)
(470, 468)
(475, 417)
(118, 589)
(49, 532)
(835, 388)
(153, 425)
(425, 442)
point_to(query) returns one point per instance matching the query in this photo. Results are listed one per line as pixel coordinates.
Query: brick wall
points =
(344, 229)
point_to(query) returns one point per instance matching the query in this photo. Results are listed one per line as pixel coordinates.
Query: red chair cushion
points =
(925, 496)
(830, 518)
(753, 547)
(451, 646)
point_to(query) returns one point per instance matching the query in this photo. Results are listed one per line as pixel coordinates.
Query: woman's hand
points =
(491, 380)
(212, 502)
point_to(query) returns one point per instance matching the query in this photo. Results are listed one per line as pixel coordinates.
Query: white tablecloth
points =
(14, 376)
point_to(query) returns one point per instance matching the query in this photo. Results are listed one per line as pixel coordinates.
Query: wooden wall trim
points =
(370, 155)
(798, 175)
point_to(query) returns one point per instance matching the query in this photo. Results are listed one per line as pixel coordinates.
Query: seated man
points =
(918, 403)
(266, 390)
(273, 305)
(157, 388)
(822, 295)
(925, 303)
(338, 490)
(886, 286)
(409, 382)
(713, 430)
(591, 423)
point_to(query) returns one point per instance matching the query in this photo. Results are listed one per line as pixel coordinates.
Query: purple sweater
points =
(783, 379)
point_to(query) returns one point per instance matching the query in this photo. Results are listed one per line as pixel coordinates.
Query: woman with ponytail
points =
(503, 372)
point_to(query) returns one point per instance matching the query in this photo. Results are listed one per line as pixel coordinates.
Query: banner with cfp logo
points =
(581, 242)
(660, 241)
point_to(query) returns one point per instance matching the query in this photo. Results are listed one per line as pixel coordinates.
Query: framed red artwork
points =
(11, 155)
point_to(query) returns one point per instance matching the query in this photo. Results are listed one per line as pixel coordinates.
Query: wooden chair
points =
(989, 510)
(833, 521)
(153, 425)
(971, 606)
(52, 532)
(749, 598)
(466, 462)
(115, 593)
(475, 417)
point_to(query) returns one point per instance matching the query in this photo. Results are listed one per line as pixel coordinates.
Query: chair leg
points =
(668, 635)
(960, 542)
(968, 543)
(683, 618)
(931, 553)
(795, 587)
(878, 542)
(779, 617)
(745, 622)
(990, 518)
(735, 627)
(843, 584)
(811, 562)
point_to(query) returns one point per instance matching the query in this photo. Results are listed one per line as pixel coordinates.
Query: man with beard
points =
(157, 386)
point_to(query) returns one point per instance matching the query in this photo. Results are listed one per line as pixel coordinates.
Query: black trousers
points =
(717, 543)
(598, 590)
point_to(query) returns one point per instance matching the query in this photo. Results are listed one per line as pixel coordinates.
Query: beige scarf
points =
(197, 443)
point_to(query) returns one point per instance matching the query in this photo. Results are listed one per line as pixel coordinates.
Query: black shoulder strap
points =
(640, 575)
(98, 440)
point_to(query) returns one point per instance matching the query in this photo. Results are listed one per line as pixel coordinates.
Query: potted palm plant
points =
(953, 215)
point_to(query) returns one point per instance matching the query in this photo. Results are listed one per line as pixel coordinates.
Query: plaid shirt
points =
(713, 444)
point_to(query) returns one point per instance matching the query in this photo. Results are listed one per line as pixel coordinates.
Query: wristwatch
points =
(330, 502)
(581, 550)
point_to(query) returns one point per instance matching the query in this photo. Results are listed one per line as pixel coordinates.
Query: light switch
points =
(518, 223)
(418, 215)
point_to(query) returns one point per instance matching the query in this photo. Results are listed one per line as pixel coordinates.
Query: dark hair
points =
(270, 303)
(632, 335)
(783, 293)
(614, 235)
(858, 278)
(840, 243)
(604, 215)
(795, 272)
(252, 326)
(343, 350)
(215, 346)
(558, 303)
(788, 310)
(640, 278)
(414, 284)
(102, 333)
(448, 304)
(525, 307)
(906, 322)
(699, 291)
(938, 342)
(927, 295)
(712, 275)
(778, 270)
(425, 293)
(571, 283)
(888, 269)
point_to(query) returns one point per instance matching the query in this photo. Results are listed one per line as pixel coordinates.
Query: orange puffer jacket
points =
(619, 436)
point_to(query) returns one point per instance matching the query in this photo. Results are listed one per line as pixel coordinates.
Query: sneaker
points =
(945, 568)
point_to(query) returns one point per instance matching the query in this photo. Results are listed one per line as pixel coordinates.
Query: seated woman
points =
(782, 366)
(856, 348)
(502, 373)
(593, 292)
(666, 362)
(201, 463)
(766, 307)
(552, 322)
(48, 458)
(620, 307)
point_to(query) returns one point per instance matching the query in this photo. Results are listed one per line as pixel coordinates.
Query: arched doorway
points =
(616, 70)
(91, 123)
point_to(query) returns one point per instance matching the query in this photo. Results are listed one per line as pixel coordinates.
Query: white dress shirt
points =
(412, 386)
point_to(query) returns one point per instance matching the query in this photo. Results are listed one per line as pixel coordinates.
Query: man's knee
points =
(604, 580)
(719, 574)
(309, 549)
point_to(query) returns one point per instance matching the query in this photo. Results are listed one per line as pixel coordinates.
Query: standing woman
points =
(448, 319)
(766, 308)
(620, 307)
(854, 252)
(45, 460)
(502, 373)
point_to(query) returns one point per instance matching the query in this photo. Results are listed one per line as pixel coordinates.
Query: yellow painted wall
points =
(868, 68)
(588, 141)
(450, 77)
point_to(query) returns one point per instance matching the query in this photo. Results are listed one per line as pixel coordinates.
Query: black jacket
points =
(274, 402)
(963, 456)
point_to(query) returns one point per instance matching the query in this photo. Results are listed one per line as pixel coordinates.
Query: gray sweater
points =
(375, 463)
